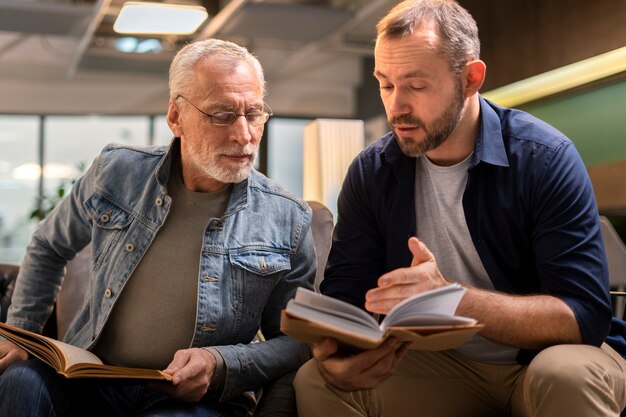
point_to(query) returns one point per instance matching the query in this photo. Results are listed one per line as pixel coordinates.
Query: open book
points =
(71, 361)
(427, 320)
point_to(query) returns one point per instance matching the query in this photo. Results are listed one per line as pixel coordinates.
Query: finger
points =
(323, 350)
(386, 366)
(395, 277)
(363, 370)
(369, 358)
(382, 306)
(402, 350)
(420, 252)
(181, 358)
(11, 355)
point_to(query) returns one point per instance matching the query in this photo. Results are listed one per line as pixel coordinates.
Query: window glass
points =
(19, 183)
(284, 152)
(73, 142)
(162, 134)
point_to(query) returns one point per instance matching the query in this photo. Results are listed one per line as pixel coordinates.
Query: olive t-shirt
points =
(155, 314)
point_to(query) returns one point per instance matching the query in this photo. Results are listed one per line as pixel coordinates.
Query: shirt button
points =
(107, 293)
(129, 247)
(159, 201)
(104, 218)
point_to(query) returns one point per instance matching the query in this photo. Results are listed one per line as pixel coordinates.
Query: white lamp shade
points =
(330, 145)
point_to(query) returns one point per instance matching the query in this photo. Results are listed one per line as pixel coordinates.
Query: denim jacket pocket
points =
(261, 262)
(105, 214)
(257, 271)
(111, 220)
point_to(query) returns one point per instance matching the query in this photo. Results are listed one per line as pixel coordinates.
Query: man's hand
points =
(365, 370)
(395, 286)
(191, 371)
(10, 353)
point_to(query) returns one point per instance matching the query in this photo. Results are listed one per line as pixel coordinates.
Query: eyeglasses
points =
(227, 118)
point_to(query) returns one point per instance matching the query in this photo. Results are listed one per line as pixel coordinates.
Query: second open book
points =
(427, 320)
(71, 361)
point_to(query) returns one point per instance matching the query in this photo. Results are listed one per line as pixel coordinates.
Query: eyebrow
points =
(222, 107)
(412, 74)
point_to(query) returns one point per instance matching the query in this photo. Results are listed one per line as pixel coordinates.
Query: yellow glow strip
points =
(560, 79)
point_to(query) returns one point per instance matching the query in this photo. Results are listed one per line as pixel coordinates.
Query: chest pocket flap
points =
(261, 262)
(106, 214)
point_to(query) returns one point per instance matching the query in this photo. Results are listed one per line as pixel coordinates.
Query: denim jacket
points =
(253, 259)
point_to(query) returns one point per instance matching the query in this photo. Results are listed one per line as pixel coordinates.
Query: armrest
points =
(8, 274)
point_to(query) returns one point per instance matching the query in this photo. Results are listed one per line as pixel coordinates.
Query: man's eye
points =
(254, 116)
(224, 117)
(386, 87)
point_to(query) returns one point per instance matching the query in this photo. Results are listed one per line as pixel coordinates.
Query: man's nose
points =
(398, 103)
(240, 131)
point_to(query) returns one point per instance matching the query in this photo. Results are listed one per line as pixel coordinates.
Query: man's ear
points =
(474, 74)
(174, 119)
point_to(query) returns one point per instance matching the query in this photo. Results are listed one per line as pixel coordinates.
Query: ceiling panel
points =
(44, 18)
(298, 23)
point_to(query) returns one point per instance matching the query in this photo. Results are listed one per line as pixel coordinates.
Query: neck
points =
(461, 142)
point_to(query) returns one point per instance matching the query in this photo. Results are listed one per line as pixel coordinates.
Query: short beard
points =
(227, 174)
(437, 133)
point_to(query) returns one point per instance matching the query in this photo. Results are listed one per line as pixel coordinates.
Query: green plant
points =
(45, 204)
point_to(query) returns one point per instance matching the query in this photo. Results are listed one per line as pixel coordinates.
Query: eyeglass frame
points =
(267, 114)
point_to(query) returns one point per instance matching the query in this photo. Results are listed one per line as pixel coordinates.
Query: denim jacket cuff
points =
(219, 374)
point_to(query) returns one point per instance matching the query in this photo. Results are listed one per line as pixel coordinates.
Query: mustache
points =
(239, 150)
(406, 120)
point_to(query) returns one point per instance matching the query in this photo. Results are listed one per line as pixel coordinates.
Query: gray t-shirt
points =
(155, 314)
(442, 227)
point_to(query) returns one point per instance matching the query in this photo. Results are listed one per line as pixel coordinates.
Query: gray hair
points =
(457, 28)
(183, 71)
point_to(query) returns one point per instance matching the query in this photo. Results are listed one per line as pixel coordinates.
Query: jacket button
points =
(159, 201)
(216, 225)
(129, 247)
(210, 279)
(207, 329)
(107, 293)
(104, 217)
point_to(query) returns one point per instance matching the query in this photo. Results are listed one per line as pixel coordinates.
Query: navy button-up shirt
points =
(529, 207)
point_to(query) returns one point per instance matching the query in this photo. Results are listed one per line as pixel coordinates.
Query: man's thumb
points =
(420, 251)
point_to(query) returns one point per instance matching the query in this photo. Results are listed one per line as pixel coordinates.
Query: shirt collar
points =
(489, 143)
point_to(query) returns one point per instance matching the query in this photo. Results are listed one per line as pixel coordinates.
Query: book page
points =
(56, 353)
(74, 355)
(438, 303)
(329, 319)
(335, 307)
(434, 320)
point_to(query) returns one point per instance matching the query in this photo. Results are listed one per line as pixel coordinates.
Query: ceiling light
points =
(158, 18)
(560, 79)
(129, 44)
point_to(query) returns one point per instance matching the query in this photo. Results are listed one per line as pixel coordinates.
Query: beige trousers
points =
(562, 381)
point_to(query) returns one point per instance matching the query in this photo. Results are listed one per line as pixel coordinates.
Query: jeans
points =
(32, 389)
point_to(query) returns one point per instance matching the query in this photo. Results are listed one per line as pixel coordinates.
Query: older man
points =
(192, 252)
